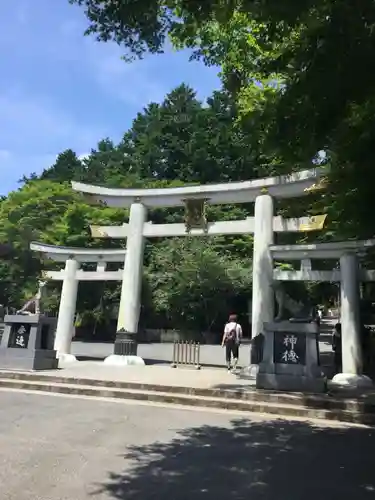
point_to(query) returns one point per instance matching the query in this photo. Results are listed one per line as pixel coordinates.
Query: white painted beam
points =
(86, 275)
(326, 276)
(299, 224)
(306, 275)
(213, 228)
(304, 255)
(287, 186)
(114, 232)
(245, 226)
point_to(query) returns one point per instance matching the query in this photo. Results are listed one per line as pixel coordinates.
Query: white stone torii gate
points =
(71, 276)
(349, 275)
(263, 225)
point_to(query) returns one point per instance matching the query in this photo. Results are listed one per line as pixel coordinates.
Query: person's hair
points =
(232, 318)
(338, 327)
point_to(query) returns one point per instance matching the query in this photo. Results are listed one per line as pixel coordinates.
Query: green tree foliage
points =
(49, 212)
(182, 139)
(67, 167)
(193, 285)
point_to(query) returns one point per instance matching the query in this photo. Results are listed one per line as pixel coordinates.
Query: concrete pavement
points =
(156, 375)
(65, 448)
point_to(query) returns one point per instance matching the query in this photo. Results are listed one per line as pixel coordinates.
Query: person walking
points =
(320, 314)
(231, 340)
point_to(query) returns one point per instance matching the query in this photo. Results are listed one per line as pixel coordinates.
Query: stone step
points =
(233, 391)
(253, 403)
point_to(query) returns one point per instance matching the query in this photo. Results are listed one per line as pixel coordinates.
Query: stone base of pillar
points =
(66, 358)
(249, 372)
(117, 360)
(351, 381)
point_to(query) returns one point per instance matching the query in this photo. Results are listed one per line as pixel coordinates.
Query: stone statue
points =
(28, 308)
(33, 306)
(288, 308)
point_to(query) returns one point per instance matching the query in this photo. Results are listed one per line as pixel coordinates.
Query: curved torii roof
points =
(331, 250)
(61, 254)
(284, 186)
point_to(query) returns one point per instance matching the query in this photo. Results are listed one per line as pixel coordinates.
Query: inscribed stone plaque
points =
(19, 336)
(289, 348)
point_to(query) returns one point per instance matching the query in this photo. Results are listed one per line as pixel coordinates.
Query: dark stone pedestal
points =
(125, 344)
(291, 358)
(27, 343)
(125, 350)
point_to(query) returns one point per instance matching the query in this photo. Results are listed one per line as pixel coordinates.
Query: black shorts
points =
(231, 349)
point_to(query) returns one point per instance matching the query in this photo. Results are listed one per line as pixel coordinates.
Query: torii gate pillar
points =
(67, 310)
(125, 349)
(352, 355)
(263, 295)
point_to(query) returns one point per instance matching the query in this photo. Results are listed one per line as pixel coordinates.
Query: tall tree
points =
(67, 167)
(183, 139)
(107, 165)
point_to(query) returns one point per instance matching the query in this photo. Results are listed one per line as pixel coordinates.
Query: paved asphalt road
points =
(61, 448)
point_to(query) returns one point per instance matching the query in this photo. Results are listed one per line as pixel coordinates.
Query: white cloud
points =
(135, 83)
(33, 130)
(83, 156)
(4, 154)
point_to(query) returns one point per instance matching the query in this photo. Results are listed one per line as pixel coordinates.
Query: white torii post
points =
(352, 356)
(71, 276)
(67, 310)
(349, 277)
(263, 294)
(264, 223)
(125, 349)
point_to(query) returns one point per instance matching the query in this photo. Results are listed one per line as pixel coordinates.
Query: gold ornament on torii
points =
(321, 184)
(195, 214)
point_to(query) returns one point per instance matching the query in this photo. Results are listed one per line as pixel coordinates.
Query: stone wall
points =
(167, 336)
(146, 335)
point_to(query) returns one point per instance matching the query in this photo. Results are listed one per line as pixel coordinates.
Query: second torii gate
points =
(349, 275)
(70, 276)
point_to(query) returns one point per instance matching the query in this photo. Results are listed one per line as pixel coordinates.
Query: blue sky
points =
(60, 89)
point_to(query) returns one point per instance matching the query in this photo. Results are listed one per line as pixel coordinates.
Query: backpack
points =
(232, 334)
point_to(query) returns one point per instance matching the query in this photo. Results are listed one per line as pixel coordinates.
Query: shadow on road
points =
(252, 461)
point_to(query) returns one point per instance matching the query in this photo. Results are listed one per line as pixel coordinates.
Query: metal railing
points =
(186, 353)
